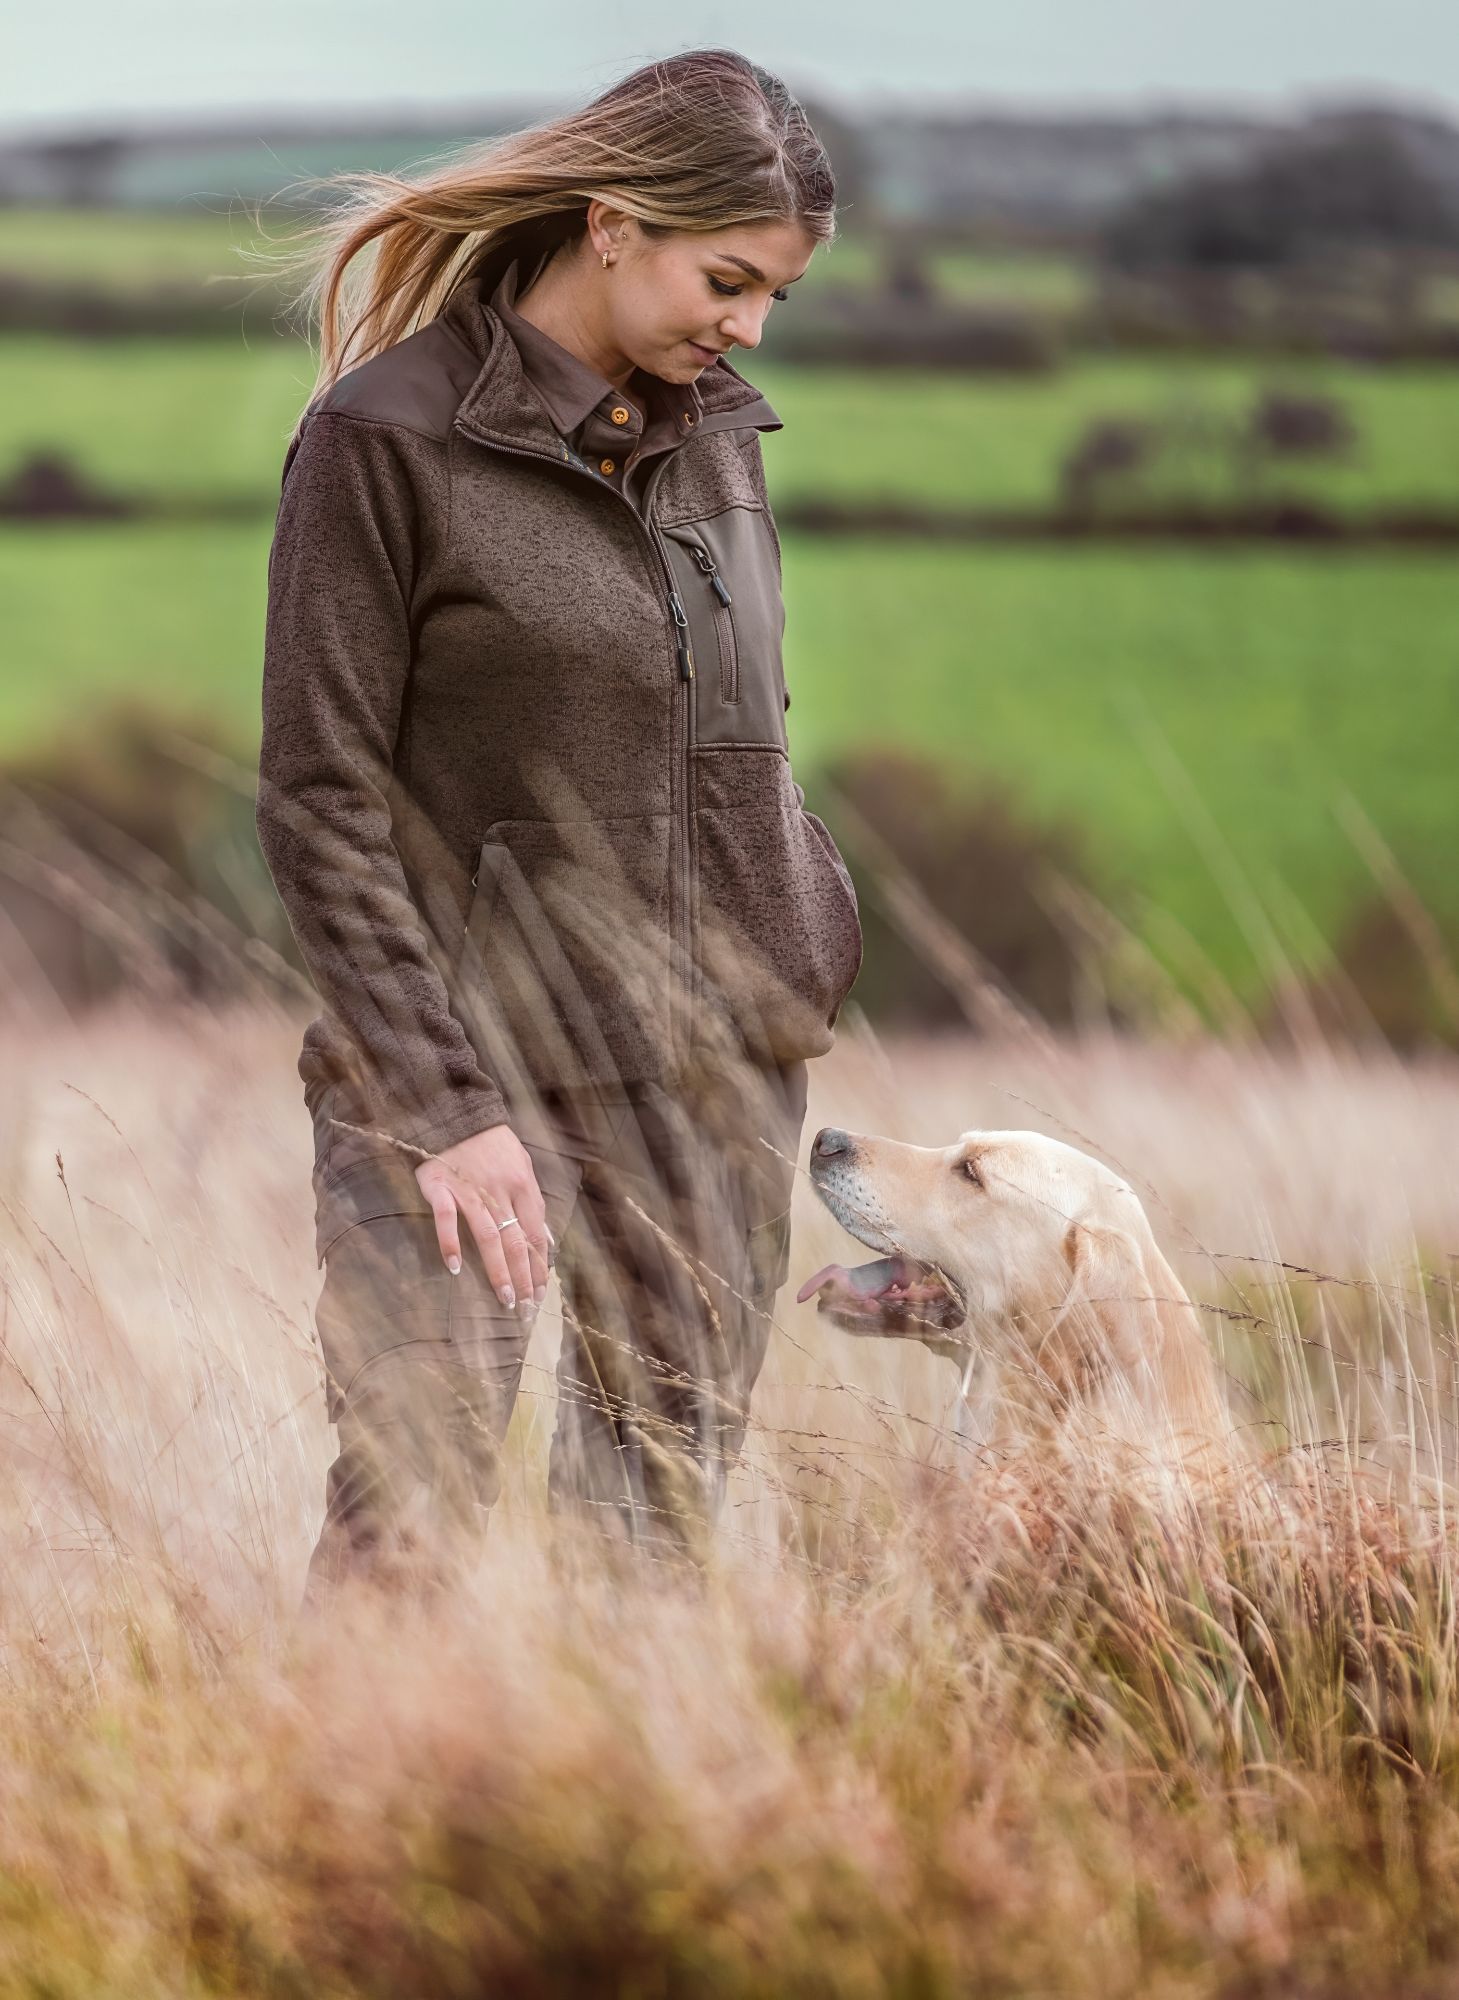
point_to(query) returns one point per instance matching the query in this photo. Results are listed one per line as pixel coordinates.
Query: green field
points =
(999, 441)
(207, 237)
(210, 418)
(185, 419)
(190, 241)
(1196, 717)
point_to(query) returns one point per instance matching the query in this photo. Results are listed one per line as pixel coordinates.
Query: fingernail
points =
(453, 1265)
(509, 1297)
(540, 1294)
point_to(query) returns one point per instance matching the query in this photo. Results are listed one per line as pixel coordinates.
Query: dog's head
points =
(998, 1229)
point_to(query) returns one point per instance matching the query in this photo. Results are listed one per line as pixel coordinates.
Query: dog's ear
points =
(1126, 1308)
(1111, 1296)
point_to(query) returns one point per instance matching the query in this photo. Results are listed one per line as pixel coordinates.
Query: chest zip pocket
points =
(724, 624)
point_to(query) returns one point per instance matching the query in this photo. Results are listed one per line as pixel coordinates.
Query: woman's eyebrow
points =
(752, 270)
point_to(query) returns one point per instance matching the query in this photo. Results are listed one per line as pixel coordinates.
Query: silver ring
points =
(503, 1222)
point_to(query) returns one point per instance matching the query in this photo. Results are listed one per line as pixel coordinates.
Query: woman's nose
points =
(744, 329)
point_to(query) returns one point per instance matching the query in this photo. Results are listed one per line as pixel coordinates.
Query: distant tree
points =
(1109, 453)
(1189, 453)
(905, 273)
(1283, 425)
(984, 866)
(86, 168)
(845, 143)
(1389, 976)
(1310, 195)
(46, 485)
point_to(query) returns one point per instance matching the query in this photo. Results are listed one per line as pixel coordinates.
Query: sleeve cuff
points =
(457, 1119)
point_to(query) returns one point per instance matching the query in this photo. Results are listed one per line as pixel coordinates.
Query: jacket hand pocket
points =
(779, 935)
(563, 974)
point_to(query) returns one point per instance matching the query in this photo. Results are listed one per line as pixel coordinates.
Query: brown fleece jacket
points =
(524, 786)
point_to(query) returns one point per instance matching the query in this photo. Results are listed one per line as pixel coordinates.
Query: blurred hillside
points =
(989, 241)
(1119, 489)
(1044, 176)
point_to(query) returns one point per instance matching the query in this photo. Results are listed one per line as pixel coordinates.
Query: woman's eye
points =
(733, 291)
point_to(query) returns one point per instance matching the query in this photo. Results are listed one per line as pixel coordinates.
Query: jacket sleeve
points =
(337, 655)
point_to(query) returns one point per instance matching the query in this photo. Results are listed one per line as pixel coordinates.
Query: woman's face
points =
(676, 302)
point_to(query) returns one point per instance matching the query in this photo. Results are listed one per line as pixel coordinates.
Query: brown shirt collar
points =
(504, 404)
(571, 390)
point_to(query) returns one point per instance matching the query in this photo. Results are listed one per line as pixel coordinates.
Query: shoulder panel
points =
(420, 382)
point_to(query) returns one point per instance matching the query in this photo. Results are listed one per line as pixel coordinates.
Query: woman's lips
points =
(706, 353)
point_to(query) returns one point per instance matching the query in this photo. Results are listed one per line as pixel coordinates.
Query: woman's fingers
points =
(449, 1201)
(448, 1233)
(494, 1249)
(507, 1218)
(513, 1237)
(531, 1212)
(524, 1237)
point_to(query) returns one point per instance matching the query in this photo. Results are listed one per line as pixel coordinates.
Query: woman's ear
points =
(606, 227)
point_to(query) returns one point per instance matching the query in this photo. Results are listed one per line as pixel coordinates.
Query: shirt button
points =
(606, 466)
(620, 415)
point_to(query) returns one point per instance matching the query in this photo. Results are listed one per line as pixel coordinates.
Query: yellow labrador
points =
(1033, 1267)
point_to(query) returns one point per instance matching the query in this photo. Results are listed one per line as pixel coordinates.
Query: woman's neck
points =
(559, 304)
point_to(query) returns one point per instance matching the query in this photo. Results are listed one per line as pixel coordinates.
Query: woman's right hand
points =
(486, 1178)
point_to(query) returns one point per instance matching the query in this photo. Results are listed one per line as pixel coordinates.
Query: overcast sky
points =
(68, 61)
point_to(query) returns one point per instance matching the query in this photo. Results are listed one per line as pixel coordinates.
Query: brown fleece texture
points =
(516, 845)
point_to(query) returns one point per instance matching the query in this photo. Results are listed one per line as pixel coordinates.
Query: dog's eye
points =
(969, 1169)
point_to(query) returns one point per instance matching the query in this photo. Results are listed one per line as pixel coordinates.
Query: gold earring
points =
(605, 260)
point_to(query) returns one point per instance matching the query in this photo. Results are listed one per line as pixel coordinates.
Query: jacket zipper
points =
(724, 624)
(679, 924)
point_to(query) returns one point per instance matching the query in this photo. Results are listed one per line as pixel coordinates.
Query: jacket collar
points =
(503, 405)
(567, 385)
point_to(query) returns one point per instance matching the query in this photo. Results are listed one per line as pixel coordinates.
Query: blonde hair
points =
(697, 141)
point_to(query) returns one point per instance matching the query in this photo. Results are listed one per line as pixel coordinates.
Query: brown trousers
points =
(671, 1213)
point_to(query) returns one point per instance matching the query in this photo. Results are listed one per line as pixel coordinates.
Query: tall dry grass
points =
(933, 1722)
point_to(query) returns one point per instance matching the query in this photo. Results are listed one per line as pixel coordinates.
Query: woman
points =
(525, 793)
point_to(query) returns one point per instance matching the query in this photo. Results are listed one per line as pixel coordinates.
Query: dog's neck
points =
(1023, 1371)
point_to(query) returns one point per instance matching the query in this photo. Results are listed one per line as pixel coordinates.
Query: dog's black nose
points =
(830, 1141)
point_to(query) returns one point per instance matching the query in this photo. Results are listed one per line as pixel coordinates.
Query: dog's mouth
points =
(889, 1295)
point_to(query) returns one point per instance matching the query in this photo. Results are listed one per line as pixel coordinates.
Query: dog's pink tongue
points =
(861, 1282)
(822, 1277)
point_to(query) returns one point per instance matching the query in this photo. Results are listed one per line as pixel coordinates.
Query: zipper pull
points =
(681, 636)
(711, 569)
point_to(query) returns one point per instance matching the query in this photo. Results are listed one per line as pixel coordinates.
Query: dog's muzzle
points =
(889, 1295)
